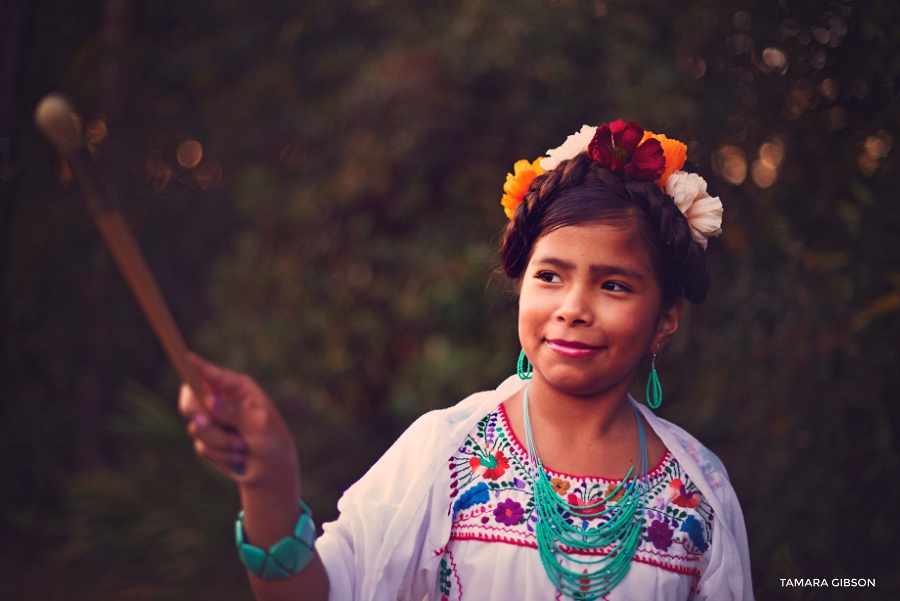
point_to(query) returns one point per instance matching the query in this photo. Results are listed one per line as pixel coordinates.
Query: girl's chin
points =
(574, 382)
(578, 381)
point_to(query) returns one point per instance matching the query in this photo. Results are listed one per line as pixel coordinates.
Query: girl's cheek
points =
(532, 305)
(624, 317)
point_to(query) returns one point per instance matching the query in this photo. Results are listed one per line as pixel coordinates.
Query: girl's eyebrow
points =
(603, 269)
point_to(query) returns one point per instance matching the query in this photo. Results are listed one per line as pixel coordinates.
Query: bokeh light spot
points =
(697, 67)
(763, 174)
(821, 35)
(874, 149)
(790, 28)
(208, 175)
(772, 153)
(817, 57)
(189, 154)
(95, 130)
(830, 88)
(743, 44)
(879, 145)
(158, 173)
(837, 26)
(774, 58)
(742, 20)
(730, 163)
(765, 169)
(867, 164)
(798, 99)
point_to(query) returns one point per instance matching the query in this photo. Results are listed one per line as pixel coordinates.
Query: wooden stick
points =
(53, 117)
(125, 250)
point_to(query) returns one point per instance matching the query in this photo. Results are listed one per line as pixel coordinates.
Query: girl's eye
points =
(548, 276)
(615, 287)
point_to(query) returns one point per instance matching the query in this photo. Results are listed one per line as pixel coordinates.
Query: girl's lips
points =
(568, 348)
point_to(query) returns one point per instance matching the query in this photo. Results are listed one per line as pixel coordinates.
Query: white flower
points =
(684, 188)
(703, 212)
(574, 144)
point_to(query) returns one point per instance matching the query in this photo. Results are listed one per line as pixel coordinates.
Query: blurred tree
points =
(334, 233)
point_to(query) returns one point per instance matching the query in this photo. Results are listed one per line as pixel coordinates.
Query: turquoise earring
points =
(654, 388)
(523, 367)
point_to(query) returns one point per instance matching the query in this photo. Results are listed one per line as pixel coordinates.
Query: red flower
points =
(683, 498)
(617, 146)
(585, 513)
(490, 467)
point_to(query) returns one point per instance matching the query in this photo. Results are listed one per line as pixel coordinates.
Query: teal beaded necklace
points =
(620, 527)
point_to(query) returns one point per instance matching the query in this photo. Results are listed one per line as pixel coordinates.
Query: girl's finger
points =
(213, 436)
(230, 462)
(188, 405)
(227, 390)
(224, 410)
(224, 381)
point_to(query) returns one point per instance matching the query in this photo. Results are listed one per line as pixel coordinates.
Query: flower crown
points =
(626, 147)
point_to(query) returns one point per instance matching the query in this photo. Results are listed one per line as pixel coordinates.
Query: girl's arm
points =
(238, 429)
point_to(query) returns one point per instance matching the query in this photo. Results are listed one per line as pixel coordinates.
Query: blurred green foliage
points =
(338, 242)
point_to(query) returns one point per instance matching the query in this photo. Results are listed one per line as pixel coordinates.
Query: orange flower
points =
(517, 184)
(559, 485)
(675, 153)
(611, 487)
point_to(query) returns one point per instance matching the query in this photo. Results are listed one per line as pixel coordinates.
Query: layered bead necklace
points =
(619, 528)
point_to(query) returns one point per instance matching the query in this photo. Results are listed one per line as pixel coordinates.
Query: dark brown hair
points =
(580, 191)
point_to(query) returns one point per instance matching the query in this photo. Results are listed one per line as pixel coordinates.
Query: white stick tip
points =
(53, 117)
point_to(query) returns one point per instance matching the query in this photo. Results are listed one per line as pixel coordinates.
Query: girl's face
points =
(590, 308)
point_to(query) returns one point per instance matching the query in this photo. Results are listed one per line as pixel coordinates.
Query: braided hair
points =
(580, 191)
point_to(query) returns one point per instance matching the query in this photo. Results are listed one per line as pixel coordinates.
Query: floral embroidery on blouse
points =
(448, 580)
(492, 500)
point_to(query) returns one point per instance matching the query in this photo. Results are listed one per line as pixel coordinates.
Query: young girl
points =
(556, 485)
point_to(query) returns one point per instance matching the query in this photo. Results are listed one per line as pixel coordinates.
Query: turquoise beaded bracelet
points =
(286, 557)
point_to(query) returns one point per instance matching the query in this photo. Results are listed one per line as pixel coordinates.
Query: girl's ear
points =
(668, 325)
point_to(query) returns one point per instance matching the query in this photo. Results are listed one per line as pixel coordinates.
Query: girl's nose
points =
(576, 307)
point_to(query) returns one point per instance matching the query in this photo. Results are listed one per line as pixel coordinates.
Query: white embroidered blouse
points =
(403, 534)
(492, 532)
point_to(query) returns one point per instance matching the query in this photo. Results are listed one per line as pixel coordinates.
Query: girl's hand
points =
(238, 429)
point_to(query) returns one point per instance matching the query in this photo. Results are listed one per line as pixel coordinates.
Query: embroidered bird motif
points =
(683, 498)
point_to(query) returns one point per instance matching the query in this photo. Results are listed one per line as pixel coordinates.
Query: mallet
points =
(53, 116)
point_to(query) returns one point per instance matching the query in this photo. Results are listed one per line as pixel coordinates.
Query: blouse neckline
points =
(520, 450)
